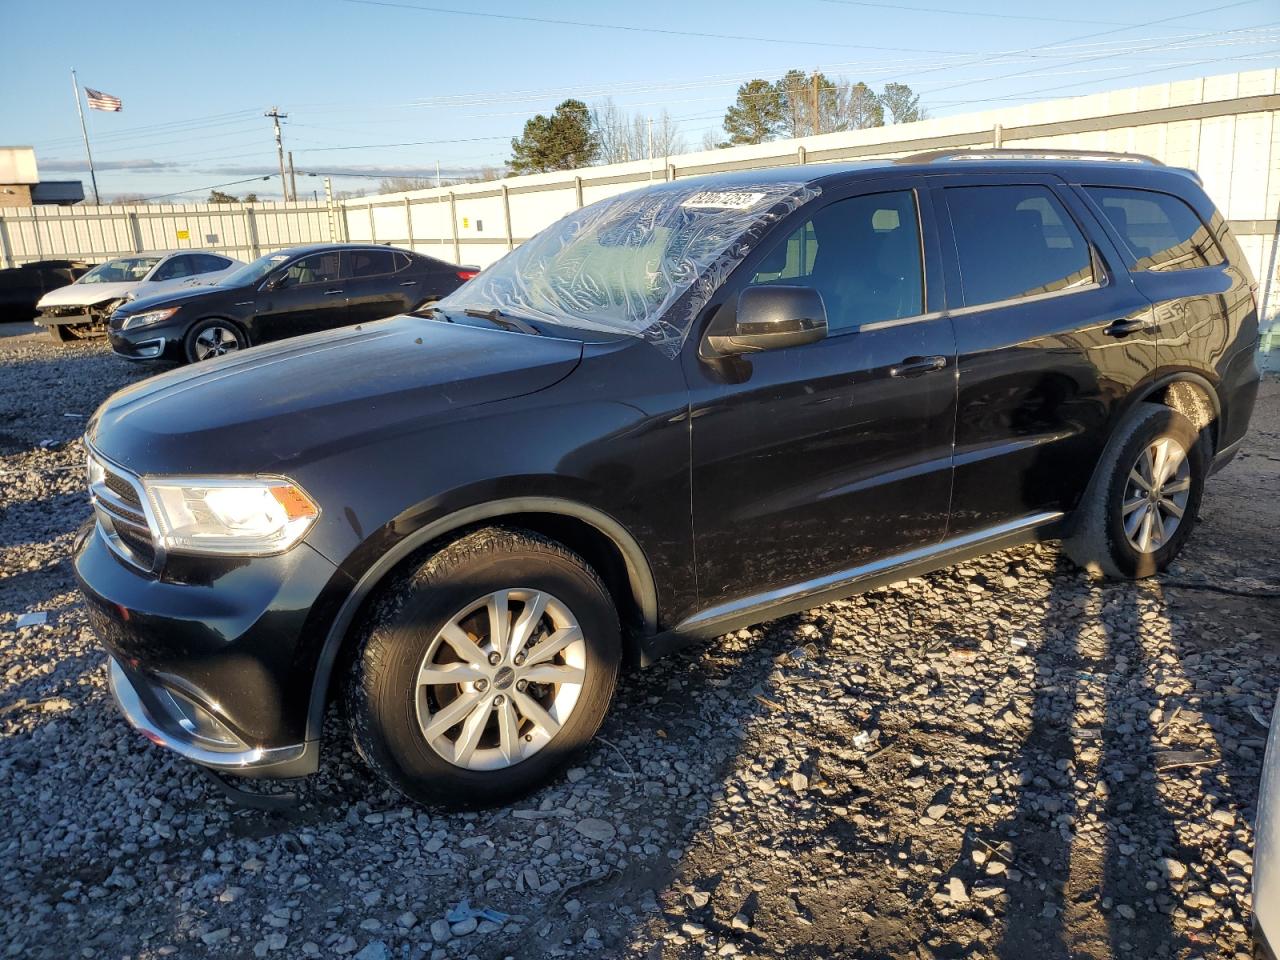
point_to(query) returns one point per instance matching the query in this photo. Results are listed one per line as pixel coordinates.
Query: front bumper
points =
(59, 319)
(215, 658)
(170, 720)
(144, 348)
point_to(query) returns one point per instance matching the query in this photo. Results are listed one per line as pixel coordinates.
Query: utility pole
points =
(813, 104)
(437, 174)
(75, 84)
(650, 148)
(328, 202)
(276, 116)
(293, 180)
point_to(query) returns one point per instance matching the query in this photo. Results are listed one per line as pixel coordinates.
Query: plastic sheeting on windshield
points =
(642, 263)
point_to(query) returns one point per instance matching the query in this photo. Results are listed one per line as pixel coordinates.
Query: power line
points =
(1094, 59)
(969, 13)
(632, 29)
(212, 186)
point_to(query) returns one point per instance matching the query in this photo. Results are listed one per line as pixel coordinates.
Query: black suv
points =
(283, 294)
(671, 414)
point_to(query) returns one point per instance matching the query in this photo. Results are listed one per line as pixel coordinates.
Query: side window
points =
(317, 268)
(208, 263)
(401, 260)
(370, 263)
(175, 268)
(1015, 241)
(1161, 231)
(861, 254)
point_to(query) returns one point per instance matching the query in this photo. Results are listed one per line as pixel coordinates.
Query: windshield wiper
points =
(505, 320)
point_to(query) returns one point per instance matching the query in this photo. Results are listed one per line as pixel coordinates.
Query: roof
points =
(321, 247)
(1060, 162)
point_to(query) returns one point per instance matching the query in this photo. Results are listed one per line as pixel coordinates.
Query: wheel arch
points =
(601, 540)
(1190, 394)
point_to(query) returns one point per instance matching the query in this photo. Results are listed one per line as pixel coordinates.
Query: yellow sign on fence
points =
(184, 234)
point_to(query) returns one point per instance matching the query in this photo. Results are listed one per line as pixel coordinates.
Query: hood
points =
(87, 294)
(279, 407)
(171, 297)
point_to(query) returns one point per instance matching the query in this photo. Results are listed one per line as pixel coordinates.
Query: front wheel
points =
(212, 338)
(67, 332)
(483, 671)
(1140, 507)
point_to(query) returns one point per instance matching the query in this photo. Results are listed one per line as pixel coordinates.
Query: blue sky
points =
(356, 76)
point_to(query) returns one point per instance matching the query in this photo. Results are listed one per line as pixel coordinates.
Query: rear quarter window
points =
(1161, 231)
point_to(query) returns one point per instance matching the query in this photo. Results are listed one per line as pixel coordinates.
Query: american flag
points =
(102, 101)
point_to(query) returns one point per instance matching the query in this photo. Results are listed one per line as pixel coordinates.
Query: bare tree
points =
(857, 107)
(404, 184)
(902, 103)
(625, 136)
(710, 141)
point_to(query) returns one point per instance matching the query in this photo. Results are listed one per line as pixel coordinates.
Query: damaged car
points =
(81, 309)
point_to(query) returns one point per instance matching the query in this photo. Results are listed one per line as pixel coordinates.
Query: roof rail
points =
(1017, 153)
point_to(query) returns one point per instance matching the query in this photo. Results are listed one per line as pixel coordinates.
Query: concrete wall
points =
(94, 233)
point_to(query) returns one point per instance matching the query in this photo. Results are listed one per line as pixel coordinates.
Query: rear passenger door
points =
(377, 284)
(1176, 262)
(1051, 334)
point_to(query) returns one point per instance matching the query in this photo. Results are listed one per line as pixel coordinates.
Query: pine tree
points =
(756, 115)
(562, 141)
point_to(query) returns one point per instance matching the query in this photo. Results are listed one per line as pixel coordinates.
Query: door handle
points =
(917, 366)
(1123, 327)
(409, 283)
(330, 293)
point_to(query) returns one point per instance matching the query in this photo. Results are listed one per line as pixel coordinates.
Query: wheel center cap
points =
(504, 678)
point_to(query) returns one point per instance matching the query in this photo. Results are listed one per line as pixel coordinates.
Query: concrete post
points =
(453, 225)
(506, 216)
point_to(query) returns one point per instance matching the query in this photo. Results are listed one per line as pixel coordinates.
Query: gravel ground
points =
(998, 760)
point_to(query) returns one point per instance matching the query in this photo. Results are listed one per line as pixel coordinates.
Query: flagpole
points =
(75, 85)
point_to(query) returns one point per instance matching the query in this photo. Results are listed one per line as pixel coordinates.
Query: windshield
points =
(123, 270)
(253, 272)
(642, 263)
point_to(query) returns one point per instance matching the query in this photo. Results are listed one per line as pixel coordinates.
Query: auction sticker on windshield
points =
(717, 200)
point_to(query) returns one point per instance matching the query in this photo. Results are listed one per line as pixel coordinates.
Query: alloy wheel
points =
(1156, 494)
(215, 341)
(500, 679)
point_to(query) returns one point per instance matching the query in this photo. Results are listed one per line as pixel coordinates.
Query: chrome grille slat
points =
(122, 516)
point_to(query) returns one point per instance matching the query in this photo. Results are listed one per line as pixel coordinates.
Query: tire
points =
(62, 333)
(212, 338)
(1108, 538)
(503, 748)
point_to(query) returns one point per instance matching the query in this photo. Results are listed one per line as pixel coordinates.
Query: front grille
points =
(121, 488)
(117, 504)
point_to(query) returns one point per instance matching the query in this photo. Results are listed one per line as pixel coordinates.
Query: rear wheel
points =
(483, 671)
(213, 338)
(1144, 498)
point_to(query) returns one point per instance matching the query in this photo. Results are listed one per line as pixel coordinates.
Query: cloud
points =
(82, 166)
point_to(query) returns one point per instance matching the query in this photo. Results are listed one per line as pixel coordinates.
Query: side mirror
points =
(770, 318)
(276, 281)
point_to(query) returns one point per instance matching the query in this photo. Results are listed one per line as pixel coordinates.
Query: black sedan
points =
(284, 294)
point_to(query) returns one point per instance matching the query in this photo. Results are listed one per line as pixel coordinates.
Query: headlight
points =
(240, 517)
(147, 319)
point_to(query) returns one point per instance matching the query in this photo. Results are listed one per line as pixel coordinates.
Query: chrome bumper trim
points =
(172, 735)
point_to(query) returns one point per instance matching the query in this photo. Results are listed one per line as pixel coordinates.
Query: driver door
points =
(810, 461)
(311, 298)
